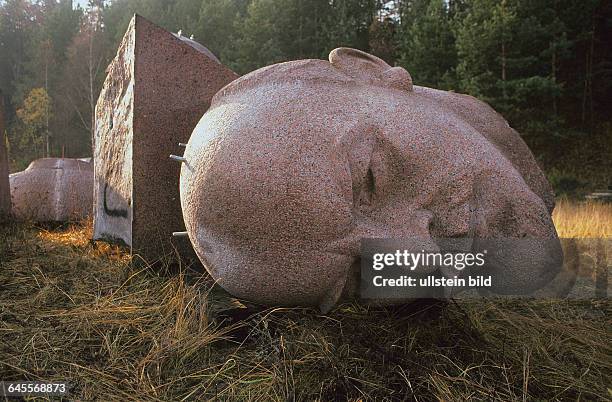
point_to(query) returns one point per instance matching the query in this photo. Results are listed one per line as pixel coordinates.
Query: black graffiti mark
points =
(122, 213)
(112, 239)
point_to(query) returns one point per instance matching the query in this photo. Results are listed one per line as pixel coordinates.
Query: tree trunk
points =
(49, 99)
(590, 75)
(5, 188)
(553, 67)
(585, 88)
(92, 101)
(503, 63)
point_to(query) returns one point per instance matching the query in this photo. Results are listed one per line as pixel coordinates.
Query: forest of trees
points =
(546, 65)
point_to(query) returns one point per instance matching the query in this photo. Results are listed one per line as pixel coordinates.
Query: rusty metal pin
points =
(178, 158)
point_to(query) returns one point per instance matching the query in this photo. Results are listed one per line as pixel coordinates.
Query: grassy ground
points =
(583, 220)
(80, 311)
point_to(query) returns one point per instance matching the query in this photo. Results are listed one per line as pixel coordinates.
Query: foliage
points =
(564, 183)
(545, 65)
(427, 42)
(382, 37)
(34, 116)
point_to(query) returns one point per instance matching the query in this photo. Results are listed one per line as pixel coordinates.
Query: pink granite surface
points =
(294, 163)
(53, 190)
(157, 88)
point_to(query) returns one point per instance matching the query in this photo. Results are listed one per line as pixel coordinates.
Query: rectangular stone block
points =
(157, 88)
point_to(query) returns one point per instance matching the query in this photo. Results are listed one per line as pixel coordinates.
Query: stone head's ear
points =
(356, 63)
(367, 68)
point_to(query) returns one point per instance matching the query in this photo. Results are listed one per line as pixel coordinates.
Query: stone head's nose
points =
(520, 266)
(523, 250)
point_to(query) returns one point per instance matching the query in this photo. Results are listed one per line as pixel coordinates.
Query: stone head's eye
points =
(367, 189)
(370, 182)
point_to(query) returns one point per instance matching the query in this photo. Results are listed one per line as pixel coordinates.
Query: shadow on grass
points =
(80, 311)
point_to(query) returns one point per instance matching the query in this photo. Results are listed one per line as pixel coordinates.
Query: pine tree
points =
(279, 30)
(382, 39)
(217, 19)
(427, 43)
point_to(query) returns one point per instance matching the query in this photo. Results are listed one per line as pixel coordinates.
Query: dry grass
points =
(78, 311)
(589, 219)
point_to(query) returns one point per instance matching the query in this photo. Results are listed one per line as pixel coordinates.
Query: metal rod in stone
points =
(178, 158)
(179, 234)
(182, 144)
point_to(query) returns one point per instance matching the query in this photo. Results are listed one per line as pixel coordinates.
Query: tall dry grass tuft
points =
(590, 219)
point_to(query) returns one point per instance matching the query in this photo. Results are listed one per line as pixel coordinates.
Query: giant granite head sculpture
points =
(296, 162)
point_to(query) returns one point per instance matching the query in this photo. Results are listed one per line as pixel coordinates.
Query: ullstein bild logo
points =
(509, 267)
